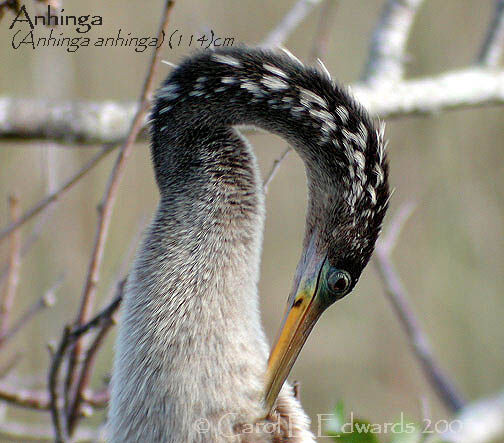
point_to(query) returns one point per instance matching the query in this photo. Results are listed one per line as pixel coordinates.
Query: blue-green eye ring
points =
(338, 281)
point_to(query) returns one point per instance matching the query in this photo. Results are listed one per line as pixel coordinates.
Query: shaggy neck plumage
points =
(191, 344)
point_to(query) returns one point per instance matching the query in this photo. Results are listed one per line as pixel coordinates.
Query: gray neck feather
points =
(191, 344)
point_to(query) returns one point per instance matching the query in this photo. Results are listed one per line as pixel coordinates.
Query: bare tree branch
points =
(41, 399)
(492, 48)
(465, 88)
(14, 264)
(46, 301)
(45, 202)
(29, 242)
(25, 398)
(69, 337)
(106, 323)
(274, 168)
(102, 317)
(70, 121)
(388, 43)
(56, 394)
(318, 52)
(108, 201)
(296, 15)
(397, 295)
(13, 431)
(389, 239)
(472, 87)
(19, 396)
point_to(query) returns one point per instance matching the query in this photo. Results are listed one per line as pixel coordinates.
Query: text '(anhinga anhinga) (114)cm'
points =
(191, 360)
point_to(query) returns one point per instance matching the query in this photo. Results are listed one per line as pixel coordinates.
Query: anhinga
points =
(191, 360)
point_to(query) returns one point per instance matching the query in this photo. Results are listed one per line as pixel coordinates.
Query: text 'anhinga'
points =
(192, 359)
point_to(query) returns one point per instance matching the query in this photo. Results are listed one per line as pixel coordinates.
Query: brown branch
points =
(106, 322)
(108, 201)
(25, 398)
(14, 262)
(45, 202)
(398, 297)
(30, 241)
(121, 272)
(46, 301)
(39, 400)
(14, 431)
(291, 20)
(103, 316)
(388, 43)
(98, 399)
(85, 375)
(492, 48)
(56, 396)
(25, 248)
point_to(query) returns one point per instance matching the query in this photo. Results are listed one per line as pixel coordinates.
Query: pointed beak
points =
(303, 310)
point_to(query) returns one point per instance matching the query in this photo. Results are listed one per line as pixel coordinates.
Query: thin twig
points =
(30, 241)
(85, 375)
(291, 20)
(22, 432)
(388, 43)
(103, 316)
(42, 204)
(492, 48)
(14, 261)
(87, 366)
(56, 396)
(25, 398)
(69, 337)
(46, 301)
(98, 399)
(108, 201)
(389, 239)
(318, 52)
(16, 395)
(274, 168)
(397, 295)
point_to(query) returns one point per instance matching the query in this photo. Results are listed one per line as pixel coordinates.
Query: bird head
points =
(348, 198)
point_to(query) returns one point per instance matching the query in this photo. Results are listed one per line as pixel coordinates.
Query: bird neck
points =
(191, 345)
(210, 93)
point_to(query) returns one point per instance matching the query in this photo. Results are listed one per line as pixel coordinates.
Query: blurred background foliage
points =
(450, 254)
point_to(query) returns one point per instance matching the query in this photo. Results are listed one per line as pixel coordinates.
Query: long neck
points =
(191, 343)
(213, 91)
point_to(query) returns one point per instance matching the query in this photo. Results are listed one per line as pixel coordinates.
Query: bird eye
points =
(338, 281)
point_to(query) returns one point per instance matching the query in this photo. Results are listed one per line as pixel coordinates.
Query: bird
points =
(192, 361)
